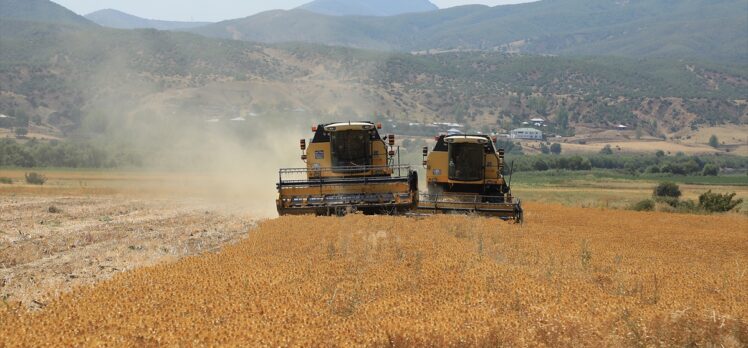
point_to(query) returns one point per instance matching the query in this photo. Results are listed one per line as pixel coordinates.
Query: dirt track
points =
(50, 244)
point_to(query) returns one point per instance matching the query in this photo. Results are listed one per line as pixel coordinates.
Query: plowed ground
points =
(567, 277)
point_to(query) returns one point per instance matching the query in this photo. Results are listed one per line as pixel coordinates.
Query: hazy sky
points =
(216, 10)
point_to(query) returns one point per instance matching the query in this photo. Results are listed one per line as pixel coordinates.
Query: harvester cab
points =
(464, 174)
(349, 168)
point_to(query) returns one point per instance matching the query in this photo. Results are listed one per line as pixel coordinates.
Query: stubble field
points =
(568, 277)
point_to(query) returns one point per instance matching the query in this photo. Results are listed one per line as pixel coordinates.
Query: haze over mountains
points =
(71, 75)
(702, 29)
(368, 7)
(116, 19)
(39, 11)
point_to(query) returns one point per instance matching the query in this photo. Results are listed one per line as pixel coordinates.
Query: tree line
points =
(67, 154)
(657, 163)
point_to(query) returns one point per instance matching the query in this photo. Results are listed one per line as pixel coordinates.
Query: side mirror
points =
(302, 144)
(425, 151)
(392, 139)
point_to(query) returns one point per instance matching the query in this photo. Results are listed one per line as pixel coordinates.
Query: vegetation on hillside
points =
(694, 29)
(67, 75)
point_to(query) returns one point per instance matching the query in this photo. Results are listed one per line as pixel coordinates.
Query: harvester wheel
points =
(519, 214)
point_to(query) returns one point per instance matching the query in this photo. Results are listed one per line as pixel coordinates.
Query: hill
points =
(40, 11)
(368, 7)
(63, 81)
(120, 20)
(695, 29)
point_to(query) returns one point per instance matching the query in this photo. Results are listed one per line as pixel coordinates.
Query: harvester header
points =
(464, 174)
(349, 167)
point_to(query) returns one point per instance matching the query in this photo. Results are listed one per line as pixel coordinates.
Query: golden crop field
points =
(567, 277)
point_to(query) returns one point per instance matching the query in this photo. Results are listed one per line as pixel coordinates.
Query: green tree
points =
(714, 141)
(538, 104)
(607, 150)
(718, 203)
(667, 189)
(556, 148)
(544, 148)
(562, 118)
(22, 131)
(710, 169)
(540, 165)
(653, 169)
(660, 153)
(645, 205)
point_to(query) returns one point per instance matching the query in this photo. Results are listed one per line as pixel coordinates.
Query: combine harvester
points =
(464, 175)
(349, 168)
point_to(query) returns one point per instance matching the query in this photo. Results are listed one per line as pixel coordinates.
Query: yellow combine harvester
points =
(464, 175)
(349, 168)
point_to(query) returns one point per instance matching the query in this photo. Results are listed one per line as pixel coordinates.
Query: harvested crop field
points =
(57, 237)
(567, 277)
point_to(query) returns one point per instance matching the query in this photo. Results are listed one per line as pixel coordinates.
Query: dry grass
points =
(568, 277)
(633, 146)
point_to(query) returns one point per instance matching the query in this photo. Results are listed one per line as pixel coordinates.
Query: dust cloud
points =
(235, 171)
(215, 136)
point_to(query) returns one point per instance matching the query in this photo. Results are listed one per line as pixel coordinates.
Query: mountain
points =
(39, 11)
(697, 29)
(120, 20)
(70, 80)
(368, 7)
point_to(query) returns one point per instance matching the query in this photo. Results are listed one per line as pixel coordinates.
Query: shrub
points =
(653, 170)
(687, 206)
(5, 180)
(710, 170)
(34, 178)
(544, 149)
(667, 189)
(540, 165)
(556, 149)
(660, 153)
(607, 150)
(714, 141)
(718, 203)
(631, 167)
(670, 201)
(645, 205)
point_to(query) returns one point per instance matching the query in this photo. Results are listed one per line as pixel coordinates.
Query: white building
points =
(526, 133)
